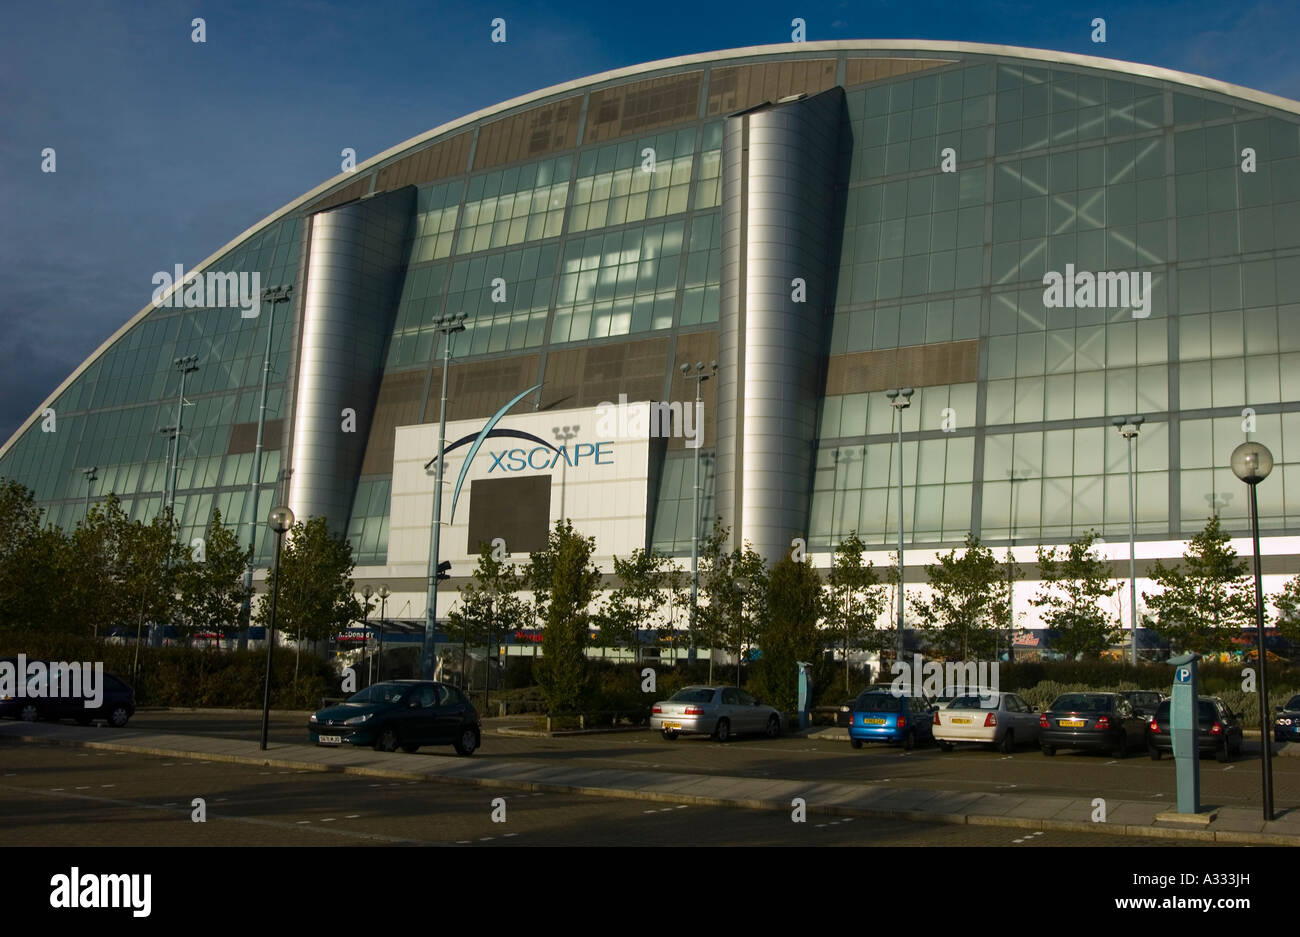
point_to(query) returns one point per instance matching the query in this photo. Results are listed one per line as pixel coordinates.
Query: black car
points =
(1103, 722)
(116, 705)
(1218, 729)
(401, 714)
(1286, 722)
(1144, 702)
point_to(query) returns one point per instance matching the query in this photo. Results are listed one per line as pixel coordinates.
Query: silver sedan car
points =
(1002, 720)
(719, 711)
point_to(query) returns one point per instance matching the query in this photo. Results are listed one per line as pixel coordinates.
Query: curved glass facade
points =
(582, 234)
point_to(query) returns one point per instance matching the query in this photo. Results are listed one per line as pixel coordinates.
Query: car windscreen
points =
(1292, 704)
(1082, 703)
(380, 693)
(693, 694)
(1205, 711)
(974, 702)
(878, 703)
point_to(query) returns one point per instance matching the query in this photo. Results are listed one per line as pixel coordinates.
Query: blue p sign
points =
(1183, 675)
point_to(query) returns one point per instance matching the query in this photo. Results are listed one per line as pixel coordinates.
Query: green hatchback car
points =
(403, 714)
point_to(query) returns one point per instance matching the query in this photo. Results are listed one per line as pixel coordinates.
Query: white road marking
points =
(327, 820)
(1112, 762)
(56, 788)
(82, 787)
(352, 816)
(682, 806)
(108, 785)
(301, 822)
(484, 839)
(462, 842)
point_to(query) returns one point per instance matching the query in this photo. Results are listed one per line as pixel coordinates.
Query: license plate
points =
(673, 725)
(330, 739)
(961, 722)
(1074, 723)
(872, 722)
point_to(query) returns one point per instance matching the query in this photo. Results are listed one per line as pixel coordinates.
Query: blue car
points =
(880, 715)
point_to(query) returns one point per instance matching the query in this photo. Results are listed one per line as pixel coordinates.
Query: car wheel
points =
(1008, 744)
(1155, 753)
(468, 741)
(909, 743)
(1221, 753)
(1049, 750)
(723, 731)
(410, 749)
(856, 743)
(773, 726)
(386, 741)
(118, 717)
(945, 746)
(1121, 747)
(29, 713)
(669, 735)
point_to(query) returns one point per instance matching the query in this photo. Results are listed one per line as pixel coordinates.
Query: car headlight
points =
(313, 718)
(357, 720)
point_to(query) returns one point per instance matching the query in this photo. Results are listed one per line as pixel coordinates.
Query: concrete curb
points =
(761, 803)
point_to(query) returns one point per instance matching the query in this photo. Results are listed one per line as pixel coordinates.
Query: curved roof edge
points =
(1156, 72)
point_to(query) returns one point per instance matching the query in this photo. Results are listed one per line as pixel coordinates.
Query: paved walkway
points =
(1123, 817)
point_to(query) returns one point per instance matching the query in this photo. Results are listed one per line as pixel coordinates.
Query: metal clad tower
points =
(778, 211)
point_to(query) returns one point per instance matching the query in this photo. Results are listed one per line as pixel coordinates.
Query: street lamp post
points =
(1251, 462)
(186, 365)
(562, 435)
(699, 377)
(900, 400)
(168, 433)
(273, 295)
(280, 520)
(383, 610)
(1015, 475)
(365, 621)
(448, 325)
(1129, 429)
(91, 478)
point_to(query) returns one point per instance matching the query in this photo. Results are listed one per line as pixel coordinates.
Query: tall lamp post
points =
(562, 435)
(383, 610)
(1129, 430)
(280, 520)
(367, 592)
(187, 365)
(700, 375)
(91, 478)
(448, 325)
(1251, 462)
(273, 295)
(1015, 475)
(900, 400)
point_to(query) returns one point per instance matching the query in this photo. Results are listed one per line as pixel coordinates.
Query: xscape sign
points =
(540, 457)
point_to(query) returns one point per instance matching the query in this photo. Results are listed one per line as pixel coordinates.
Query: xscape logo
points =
(542, 456)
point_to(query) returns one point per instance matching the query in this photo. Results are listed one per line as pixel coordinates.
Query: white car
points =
(1002, 720)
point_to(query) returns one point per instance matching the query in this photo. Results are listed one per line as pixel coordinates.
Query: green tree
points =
(211, 586)
(146, 579)
(489, 605)
(315, 581)
(639, 601)
(32, 563)
(734, 582)
(855, 601)
(564, 582)
(794, 599)
(1202, 608)
(1287, 603)
(1075, 581)
(968, 604)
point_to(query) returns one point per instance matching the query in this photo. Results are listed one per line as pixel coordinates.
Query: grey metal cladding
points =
(358, 252)
(778, 214)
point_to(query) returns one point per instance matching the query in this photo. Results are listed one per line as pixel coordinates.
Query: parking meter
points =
(1183, 727)
(805, 692)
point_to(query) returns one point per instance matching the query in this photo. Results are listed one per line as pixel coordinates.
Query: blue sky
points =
(167, 149)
